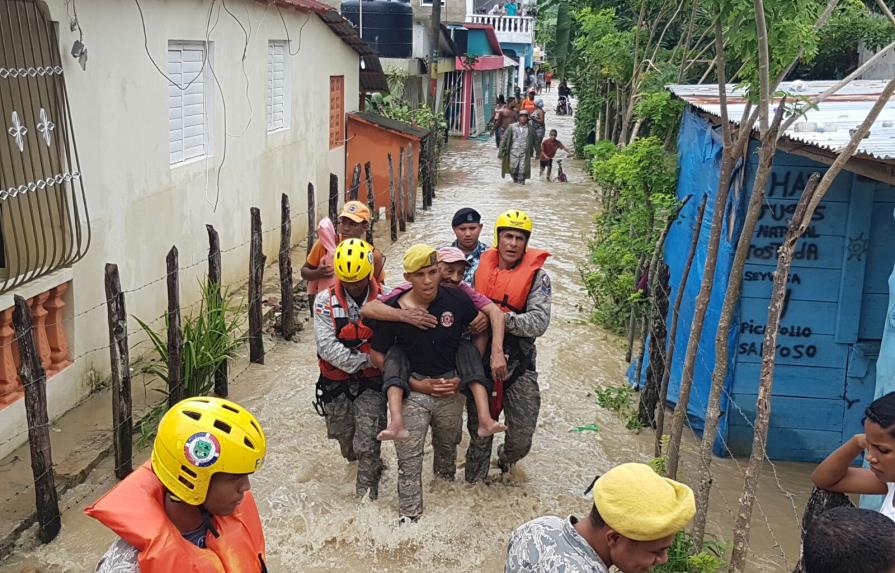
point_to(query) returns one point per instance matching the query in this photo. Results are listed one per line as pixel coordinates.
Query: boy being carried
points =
(452, 265)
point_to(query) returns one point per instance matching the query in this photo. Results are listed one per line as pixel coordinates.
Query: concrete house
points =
(829, 344)
(129, 126)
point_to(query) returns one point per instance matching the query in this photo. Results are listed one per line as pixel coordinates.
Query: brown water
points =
(305, 490)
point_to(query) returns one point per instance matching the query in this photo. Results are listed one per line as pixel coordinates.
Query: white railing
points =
(508, 28)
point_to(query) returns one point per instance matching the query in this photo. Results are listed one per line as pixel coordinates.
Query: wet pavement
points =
(305, 490)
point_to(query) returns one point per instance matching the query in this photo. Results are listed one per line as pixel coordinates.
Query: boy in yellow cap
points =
(433, 398)
(632, 523)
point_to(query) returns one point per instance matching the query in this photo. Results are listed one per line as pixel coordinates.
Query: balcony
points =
(509, 29)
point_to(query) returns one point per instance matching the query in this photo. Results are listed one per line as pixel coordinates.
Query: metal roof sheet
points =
(828, 127)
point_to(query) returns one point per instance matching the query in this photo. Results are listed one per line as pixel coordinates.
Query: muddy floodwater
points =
(305, 489)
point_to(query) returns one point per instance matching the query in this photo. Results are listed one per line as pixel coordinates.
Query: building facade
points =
(146, 147)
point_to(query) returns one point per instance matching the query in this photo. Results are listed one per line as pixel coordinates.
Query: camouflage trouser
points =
(445, 415)
(355, 425)
(521, 404)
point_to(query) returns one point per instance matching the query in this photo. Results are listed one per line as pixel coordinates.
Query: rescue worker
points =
(189, 507)
(434, 397)
(515, 150)
(633, 521)
(349, 390)
(511, 275)
(467, 226)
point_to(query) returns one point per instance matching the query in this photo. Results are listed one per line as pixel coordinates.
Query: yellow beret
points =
(642, 505)
(418, 257)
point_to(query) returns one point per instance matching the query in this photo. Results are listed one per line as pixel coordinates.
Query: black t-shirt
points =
(434, 351)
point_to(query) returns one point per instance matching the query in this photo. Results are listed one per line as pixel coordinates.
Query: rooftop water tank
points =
(387, 25)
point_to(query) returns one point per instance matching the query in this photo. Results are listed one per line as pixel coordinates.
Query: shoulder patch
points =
(545, 287)
(322, 309)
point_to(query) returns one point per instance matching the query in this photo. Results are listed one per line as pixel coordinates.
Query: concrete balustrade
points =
(52, 341)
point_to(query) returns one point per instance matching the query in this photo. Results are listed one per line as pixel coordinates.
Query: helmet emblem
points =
(202, 449)
(370, 256)
(351, 208)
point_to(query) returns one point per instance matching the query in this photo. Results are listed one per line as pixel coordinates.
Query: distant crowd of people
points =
(520, 128)
(510, 8)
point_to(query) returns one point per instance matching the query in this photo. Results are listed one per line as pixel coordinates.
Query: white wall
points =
(139, 204)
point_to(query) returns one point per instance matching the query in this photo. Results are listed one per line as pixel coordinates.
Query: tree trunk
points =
(678, 299)
(728, 310)
(766, 381)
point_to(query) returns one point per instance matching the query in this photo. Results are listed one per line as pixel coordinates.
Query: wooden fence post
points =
(410, 196)
(312, 217)
(287, 294)
(257, 259)
(175, 335)
(354, 192)
(393, 219)
(371, 200)
(400, 192)
(333, 198)
(34, 381)
(214, 282)
(122, 417)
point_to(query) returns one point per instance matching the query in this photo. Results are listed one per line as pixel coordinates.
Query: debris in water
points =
(585, 428)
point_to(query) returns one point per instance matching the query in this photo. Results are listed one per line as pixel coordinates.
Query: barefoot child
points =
(452, 265)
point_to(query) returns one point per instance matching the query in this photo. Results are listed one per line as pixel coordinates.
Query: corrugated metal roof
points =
(413, 131)
(827, 127)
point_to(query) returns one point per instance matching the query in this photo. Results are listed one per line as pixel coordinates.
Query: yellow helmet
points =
(353, 260)
(199, 437)
(513, 219)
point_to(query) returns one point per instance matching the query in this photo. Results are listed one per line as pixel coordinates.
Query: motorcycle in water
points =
(564, 106)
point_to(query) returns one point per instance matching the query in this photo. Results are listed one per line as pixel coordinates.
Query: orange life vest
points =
(135, 510)
(353, 334)
(508, 288)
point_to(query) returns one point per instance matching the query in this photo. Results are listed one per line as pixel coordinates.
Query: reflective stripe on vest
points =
(135, 511)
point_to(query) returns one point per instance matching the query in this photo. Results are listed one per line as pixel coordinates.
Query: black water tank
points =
(388, 25)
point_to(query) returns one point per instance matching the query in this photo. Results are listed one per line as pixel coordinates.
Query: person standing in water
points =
(548, 151)
(877, 443)
(515, 150)
(434, 398)
(349, 389)
(539, 124)
(467, 226)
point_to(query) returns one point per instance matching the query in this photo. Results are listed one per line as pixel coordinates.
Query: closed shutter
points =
(277, 92)
(336, 111)
(187, 107)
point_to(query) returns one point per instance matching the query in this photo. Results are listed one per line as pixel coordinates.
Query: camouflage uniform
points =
(444, 415)
(551, 545)
(522, 397)
(354, 423)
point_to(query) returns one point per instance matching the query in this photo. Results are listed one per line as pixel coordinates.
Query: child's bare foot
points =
(393, 432)
(490, 428)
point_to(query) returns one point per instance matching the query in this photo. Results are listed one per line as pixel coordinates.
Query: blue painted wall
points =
(836, 300)
(521, 50)
(477, 44)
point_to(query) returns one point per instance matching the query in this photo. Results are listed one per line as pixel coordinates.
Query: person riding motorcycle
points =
(189, 507)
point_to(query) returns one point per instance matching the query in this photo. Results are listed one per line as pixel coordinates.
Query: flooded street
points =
(305, 490)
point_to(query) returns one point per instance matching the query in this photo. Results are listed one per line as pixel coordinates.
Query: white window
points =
(278, 96)
(190, 101)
